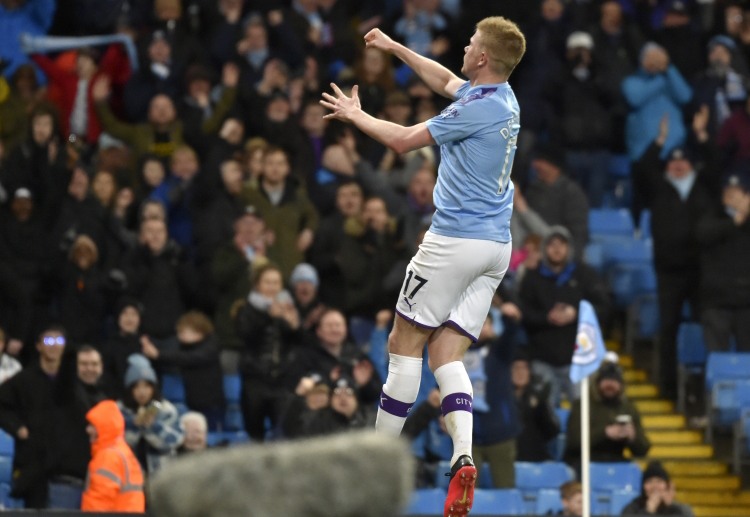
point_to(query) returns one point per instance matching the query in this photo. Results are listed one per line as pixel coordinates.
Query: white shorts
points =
(451, 281)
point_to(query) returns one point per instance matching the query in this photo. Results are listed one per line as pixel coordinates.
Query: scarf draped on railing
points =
(42, 44)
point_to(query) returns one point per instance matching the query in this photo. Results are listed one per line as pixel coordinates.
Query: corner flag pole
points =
(585, 448)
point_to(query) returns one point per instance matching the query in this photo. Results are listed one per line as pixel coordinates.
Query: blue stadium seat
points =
(214, 438)
(593, 255)
(7, 501)
(232, 388)
(619, 165)
(628, 251)
(172, 387)
(549, 474)
(233, 420)
(644, 224)
(646, 311)
(726, 366)
(181, 408)
(691, 358)
(728, 397)
(620, 499)
(236, 437)
(6, 469)
(608, 222)
(615, 476)
(426, 501)
(497, 501)
(7, 444)
(631, 281)
(562, 416)
(547, 502)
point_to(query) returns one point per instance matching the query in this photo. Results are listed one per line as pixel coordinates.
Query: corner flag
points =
(590, 350)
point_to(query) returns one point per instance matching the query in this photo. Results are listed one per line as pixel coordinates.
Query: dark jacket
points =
(638, 507)
(201, 372)
(115, 352)
(725, 268)
(230, 274)
(539, 424)
(673, 222)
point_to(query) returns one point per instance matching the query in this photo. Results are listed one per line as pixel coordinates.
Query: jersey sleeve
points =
(461, 119)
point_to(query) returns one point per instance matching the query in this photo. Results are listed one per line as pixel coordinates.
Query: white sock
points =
(457, 398)
(399, 393)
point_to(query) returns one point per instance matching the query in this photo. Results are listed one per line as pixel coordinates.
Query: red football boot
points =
(461, 488)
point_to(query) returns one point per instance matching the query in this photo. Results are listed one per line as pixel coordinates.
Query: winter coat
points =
(115, 478)
(157, 441)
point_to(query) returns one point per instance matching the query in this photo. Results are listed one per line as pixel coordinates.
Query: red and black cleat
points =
(461, 488)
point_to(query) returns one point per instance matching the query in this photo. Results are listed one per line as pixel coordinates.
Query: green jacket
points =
(294, 213)
(603, 414)
(230, 272)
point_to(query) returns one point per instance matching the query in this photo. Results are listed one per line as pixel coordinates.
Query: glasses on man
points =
(53, 341)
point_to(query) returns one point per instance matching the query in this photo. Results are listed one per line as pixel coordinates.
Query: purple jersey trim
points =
(393, 406)
(456, 402)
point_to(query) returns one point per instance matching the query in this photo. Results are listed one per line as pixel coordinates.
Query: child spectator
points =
(571, 494)
(151, 422)
(198, 361)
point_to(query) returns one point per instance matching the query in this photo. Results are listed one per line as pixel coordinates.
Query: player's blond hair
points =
(504, 42)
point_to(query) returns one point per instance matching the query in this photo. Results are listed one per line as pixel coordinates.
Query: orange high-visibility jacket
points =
(115, 480)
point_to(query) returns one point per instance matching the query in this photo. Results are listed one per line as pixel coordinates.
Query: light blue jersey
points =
(477, 135)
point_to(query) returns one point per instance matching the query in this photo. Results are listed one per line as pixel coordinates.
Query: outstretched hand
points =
(378, 39)
(343, 107)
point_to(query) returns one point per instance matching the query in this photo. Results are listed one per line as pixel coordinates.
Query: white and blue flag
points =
(590, 351)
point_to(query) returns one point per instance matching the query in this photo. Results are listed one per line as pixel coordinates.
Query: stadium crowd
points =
(181, 206)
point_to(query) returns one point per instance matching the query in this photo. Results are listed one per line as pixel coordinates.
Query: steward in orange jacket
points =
(115, 480)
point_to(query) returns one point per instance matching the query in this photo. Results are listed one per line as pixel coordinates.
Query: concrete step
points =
(714, 498)
(675, 437)
(681, 452)
(711, 483)
(691, 468)
(632, 376)
(642, 391)
(654, 407)
(720, 511)
(675, 421)
(626, 361)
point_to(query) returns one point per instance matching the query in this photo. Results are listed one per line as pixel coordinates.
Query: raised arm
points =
(440, 80)
(394, 136)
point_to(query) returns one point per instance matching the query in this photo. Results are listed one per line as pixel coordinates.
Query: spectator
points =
(151, 422)
(549, 298)
(125, 342)
(195, 428)
(161, 278)
(304, 284)
(268, 325)
(571, 494)
(78, 390)
(115, 479)
(231, 270)
(74, 102)
(524, 222)
(556, 198)
(724, 238)
(657, 495)
(26, 407)
(342, 414)
(324, 253)
(332, 356)
(678, 196)
(734, 136)
(418, 209)
(615, 422)
(311, 395)
(580, 101)
(33, 17)
(720, 86)
(8, 365)
(678, 33)
(431, 443)
(656, 90)
(287, 211)
(375, 76)
(539, 424)
(198, 362)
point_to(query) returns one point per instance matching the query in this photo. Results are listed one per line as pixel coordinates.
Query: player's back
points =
(477, 135)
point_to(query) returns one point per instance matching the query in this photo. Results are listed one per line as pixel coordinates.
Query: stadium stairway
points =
(701, 480)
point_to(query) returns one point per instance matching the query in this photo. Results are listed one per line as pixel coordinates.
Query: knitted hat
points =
(655, 470)
(304, 273)
(139, 369)
(611, 371)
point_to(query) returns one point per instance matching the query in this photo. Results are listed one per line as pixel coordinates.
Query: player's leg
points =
(405, 345)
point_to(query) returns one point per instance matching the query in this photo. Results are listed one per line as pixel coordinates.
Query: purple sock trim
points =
(393, 406)
(456, 402)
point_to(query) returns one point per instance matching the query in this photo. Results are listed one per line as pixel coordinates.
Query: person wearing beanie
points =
(615, 423)
(304, 283)
(152, 427)
(549, 296)
(344, 412)
(556, 198)
(657, 494)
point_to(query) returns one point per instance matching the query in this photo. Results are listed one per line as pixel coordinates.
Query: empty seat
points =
(426, 501)
(233, 420)
(232, 388)
(726, 366)
(547, 502)
(691, 357)
(498, 501)
(548, 474)
(728, 397)
(172, 387)
(609, 222)
(615, 476)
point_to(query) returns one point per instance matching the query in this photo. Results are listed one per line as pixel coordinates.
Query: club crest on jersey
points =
(449, 112)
